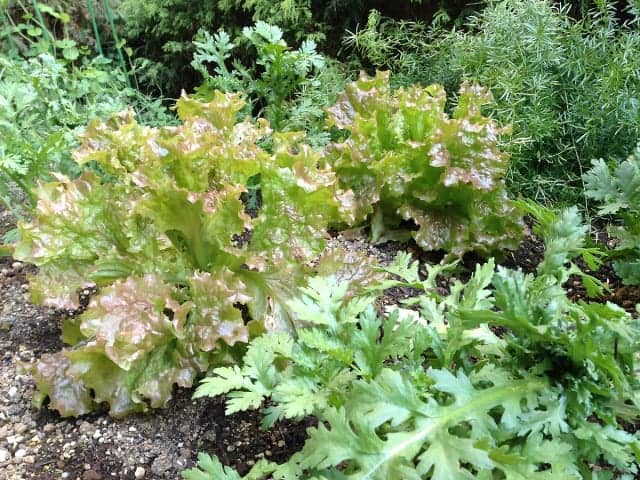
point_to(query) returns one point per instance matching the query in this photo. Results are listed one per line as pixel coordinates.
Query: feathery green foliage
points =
(432, 392)
(44, 104)
(570, 88)
(289, 88)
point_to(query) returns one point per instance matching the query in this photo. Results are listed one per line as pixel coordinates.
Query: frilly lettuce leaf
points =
(78, 227)
(298, 196)
(406, 159)
(185, 276)
(129, 319)
(134, 348)
(215, 313)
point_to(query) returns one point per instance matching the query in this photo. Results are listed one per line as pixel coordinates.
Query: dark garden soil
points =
(38, 444)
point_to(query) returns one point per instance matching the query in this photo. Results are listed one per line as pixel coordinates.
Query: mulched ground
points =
(38, 444)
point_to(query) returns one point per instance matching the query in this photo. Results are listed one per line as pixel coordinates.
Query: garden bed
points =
(39, 444)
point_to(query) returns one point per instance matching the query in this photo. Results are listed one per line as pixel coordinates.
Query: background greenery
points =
(565, 75)
(160, 31)
(51, 85)
(570, 87)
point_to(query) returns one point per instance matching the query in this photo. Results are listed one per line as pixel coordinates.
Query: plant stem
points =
(7, 28)
(46, 32)
(123, 65)
(94, 25)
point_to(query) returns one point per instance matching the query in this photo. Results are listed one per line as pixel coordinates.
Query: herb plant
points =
(618, 192)
(161, 31)
(44, 104)
(501, 377)
(407, 160)
(288, 87)
(185, 276)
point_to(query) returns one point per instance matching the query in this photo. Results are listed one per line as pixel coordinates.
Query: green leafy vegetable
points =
(186, 277)
(501, 377)
(618, 191)
(407, 160)
(563, 74)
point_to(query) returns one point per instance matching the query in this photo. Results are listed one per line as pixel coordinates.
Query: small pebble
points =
(20, 428)
(20, 454)
(139, 473)
(91, 475)
(4, 455)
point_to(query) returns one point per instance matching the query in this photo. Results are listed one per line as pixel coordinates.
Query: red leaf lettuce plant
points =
(406, 159)
(185, 276)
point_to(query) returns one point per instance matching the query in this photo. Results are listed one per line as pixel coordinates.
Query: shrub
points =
(161, 31)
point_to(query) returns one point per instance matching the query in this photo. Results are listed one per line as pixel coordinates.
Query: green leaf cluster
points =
(569, 87)
(44, 104)
(407, 160)
(185, 276)
(617, 190)
(63, 29)
(288, 87)
(500, 377)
